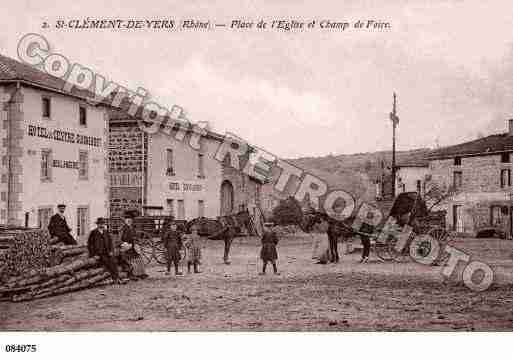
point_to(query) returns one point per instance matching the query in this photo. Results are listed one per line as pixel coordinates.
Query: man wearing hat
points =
(58, 227)
(100, 244)
(268, 252)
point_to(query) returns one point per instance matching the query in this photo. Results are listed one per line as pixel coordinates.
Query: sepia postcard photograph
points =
(255, 167)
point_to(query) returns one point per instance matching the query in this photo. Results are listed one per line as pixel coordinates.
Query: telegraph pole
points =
(395, 121)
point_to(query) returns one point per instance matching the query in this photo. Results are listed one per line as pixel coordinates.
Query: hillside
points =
(356, 173)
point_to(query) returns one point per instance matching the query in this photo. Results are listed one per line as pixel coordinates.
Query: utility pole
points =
(395, 121)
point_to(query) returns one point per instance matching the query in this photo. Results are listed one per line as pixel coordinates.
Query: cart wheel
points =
(439, 234)
(385, 251)
(145, 242)
(160, 252)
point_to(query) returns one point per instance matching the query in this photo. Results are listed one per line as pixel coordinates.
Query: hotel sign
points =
(64, 136)
(185, 187)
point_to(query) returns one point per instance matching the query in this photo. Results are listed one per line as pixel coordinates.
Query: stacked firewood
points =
(67, 277)
(33, 267)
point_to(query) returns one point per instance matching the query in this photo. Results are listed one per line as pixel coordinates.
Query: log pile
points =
(33, 267)
(23, 250)
(77, 274)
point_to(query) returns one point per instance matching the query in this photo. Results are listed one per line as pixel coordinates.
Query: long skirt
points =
(268, 252)
(321, 249)
(135, 263)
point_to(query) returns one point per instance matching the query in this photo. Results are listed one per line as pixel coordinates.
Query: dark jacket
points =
(128, 234)
(58, 227)
(173, 242)
(269, 242)
(99, 244)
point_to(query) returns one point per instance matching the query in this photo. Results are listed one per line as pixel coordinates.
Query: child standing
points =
(172, 240)
(268, 252)
(193, 246)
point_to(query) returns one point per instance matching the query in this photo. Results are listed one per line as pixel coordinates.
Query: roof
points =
(417, 162)
(13, 71)
(481, 147)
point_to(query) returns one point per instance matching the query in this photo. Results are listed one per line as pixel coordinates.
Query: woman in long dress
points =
(129, 255)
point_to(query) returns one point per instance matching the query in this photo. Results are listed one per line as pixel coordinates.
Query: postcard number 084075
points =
(20, 348)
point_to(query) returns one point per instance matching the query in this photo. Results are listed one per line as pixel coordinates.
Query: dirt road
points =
(306, 296)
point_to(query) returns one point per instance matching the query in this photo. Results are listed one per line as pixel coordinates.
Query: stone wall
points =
(127, 162)
(480, 190)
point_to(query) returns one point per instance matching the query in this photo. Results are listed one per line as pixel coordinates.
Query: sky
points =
(303, 93)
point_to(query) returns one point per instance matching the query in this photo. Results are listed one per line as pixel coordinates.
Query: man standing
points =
(334, 233)
(58, 227)
(100, 244)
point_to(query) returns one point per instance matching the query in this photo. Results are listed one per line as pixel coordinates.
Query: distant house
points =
(411, 176)
(480, 171)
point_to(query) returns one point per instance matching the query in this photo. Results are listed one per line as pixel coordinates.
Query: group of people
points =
(174, 239)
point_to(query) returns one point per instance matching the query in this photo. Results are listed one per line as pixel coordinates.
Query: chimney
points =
(510, 129)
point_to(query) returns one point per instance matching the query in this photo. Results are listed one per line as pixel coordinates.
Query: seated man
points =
(58, 227)
(100, 244)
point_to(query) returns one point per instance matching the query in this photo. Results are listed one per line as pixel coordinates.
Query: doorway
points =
(226, 198)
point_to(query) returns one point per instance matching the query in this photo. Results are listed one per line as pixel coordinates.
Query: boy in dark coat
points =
(172, 240)
(100, 244)
(58, 227)
(268, 252)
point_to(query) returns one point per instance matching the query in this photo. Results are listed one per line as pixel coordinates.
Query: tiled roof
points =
(487, 145)
(417, 162)
(12, 70)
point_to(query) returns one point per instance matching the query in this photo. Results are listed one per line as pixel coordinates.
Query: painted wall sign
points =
(185, 187)
(65, 164)
(128, 179)
(64, 136)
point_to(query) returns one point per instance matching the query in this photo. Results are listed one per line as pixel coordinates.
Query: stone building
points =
(160, 172)
(53, 150)
(480, 172)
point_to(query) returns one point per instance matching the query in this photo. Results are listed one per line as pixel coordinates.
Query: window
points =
(46, 165)
(498, 215)
(181, 209)
(82, 115)
(505, 177)
(505, 157)
(170, 171)
(201, 169)
(43, 217)
(82, 221)
(47, 107)
(458, 179)
(171, 207)
(457, 161)
(201, 208)
(83, 165)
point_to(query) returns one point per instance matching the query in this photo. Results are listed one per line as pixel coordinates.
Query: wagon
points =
(148, 230)
(408, 209)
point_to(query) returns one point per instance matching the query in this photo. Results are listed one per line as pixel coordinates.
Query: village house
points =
(53, 151)
(480, 173)
(159, 174)
(411, 176)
